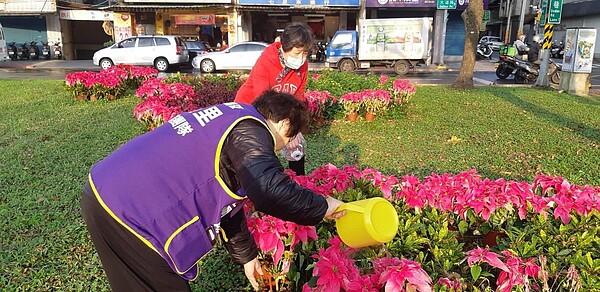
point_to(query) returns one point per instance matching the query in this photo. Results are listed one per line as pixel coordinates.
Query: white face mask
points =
(293, 62)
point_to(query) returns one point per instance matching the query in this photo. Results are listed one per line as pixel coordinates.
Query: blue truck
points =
(398, 43)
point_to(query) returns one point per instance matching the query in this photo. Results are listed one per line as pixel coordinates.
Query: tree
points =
(472, 16)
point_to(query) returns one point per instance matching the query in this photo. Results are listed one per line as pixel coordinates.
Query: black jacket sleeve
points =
(258, 171)
(248, 161)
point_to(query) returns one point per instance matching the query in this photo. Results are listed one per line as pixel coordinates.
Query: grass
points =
(48, 142)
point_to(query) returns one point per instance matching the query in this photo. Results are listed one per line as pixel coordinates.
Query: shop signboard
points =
(446, 4)
(32, 6)
(122, 26)
(579, 50)
(89, 15)
(311, 3)
(179, 1)
(460, 4)
(194, 19)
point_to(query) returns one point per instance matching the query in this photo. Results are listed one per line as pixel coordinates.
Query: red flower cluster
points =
(110, 82)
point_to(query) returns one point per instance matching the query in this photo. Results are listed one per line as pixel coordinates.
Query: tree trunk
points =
(472, 16)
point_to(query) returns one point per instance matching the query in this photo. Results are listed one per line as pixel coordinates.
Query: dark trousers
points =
(297, 166)
(130, 265)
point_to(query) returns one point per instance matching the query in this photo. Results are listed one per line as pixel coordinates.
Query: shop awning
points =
(295, 8)
(152, 8)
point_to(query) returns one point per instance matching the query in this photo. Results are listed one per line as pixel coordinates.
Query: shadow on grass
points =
(325, 148)
(577, 127)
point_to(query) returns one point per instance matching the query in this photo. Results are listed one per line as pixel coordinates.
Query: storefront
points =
(209, 20)
(264, 20)
(83, 32)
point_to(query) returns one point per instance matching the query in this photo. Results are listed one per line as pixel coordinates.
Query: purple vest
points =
(164, 186)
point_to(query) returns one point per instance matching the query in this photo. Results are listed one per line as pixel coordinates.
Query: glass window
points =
(239, 48)
(255, 48)
(127, 43)
(162, 41)
(341, 39)
(145, 42)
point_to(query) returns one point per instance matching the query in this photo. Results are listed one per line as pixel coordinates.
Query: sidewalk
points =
(87, 65)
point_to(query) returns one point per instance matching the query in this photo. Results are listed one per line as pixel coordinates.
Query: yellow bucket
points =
(367, 222)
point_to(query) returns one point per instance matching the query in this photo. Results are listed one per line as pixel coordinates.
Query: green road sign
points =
(544, 12)
(555, 11)
(446, 4)
(486, 15)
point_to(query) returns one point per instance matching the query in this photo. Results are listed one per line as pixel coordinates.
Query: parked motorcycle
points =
(23, 52)
(12, 51)
(529, 72)
(557, 50)
(57, 50)
(484, 51)
(34, 51)
(45, 50)
(321, 47)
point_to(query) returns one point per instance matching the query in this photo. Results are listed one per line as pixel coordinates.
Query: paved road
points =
(484, 71)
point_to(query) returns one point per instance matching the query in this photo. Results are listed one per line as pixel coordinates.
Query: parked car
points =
(494, 41)
(196, 48)
(240, 56)
(158, 51)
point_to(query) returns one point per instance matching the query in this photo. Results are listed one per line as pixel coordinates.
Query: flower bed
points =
(110, 84)
(551, 241)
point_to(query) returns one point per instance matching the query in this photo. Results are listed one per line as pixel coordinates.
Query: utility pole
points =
(507, 33)
(522, 17)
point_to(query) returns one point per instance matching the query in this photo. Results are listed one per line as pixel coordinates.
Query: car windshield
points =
(195, 45)
(494, 39)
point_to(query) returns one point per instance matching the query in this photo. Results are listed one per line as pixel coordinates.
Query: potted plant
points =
(317, 103)
(375, 101)
(351, 103)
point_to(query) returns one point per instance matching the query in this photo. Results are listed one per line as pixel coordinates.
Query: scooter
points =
(45, 50)
(12, 51)
(321, 47)
(57, 50)
(507, 67)
(557, 51)
(484, 51)
(23, 52)
(529, 72)
(34, 51)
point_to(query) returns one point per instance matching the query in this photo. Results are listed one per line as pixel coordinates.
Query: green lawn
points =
(48, 141)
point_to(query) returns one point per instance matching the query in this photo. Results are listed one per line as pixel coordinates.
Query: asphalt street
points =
(431, 75)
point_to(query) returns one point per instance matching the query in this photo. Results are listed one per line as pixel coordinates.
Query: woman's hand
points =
(332, 205)
(293, 144)
(250, 269)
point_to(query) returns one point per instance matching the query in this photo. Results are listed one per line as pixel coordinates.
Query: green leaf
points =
(564, 252)
(475, 271)
(462, 227)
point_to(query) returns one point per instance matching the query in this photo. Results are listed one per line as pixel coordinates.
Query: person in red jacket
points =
(282, 67)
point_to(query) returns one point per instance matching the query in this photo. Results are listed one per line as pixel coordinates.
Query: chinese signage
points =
(122, 26)
(458, 4)
(579, 50)
(301, 2)
(194, 19)
(446, 4)
(544, 12)
(179, 1)
(22, 6)
(555, 11)
(85, 15)
(486, 15)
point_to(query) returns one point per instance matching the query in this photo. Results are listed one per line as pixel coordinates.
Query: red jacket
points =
(264, 74)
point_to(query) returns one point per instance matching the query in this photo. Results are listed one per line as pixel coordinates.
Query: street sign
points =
(446, 4)
(486, 15)
(555, 11)
(544, 12)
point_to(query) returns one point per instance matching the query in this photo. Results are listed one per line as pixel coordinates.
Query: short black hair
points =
(297, 35)
(277, 106)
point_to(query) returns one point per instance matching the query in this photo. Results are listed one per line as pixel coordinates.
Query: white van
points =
(3, 52)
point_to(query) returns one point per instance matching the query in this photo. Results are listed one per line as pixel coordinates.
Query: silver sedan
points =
(240, 56)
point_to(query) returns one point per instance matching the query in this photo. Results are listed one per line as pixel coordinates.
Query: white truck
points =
(399, 43)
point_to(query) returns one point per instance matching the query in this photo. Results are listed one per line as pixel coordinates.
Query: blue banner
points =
(301, 2)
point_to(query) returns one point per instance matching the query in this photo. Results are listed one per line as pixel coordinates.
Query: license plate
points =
(11, 53)
(45, 53)
(32, 54)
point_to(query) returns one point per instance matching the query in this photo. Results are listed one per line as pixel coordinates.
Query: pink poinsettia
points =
(400, 273)
(518, 274)
(484, 255)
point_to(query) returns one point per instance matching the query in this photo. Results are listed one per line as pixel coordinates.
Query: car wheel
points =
(106, 63)
(207, 66)
(346, 65)
(161, 64)
(401, 67)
